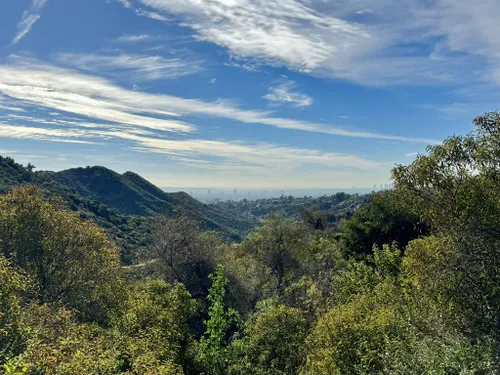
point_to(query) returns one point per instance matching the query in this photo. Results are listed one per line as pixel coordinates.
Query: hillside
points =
(333, 208)
(123, 205)
(131, 194)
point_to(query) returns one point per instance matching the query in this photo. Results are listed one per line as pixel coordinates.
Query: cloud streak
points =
(65, 90)
(28, 19)
(134, 38)
(142, 67)
(262, 158)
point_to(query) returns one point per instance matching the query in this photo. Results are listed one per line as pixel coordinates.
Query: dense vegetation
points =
(410, 284)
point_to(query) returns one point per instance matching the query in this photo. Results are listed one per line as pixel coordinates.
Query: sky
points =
(243, 93)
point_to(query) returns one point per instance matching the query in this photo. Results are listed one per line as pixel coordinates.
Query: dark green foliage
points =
(12, 174)
(131, 194)
(385, 219)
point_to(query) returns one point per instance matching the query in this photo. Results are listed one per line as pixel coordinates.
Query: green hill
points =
(133, 195)
(122, 204)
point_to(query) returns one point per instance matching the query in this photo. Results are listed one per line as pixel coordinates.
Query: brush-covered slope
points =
(131, 194)
(122, 204)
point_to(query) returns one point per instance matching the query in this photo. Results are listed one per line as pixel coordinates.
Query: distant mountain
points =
(122, 204)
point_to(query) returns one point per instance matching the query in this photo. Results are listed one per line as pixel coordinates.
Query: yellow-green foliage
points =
(71, 261)
(154, 324)
(357, 337)
(422, 303)
(13, 284)
(272, 341)
(59, 345)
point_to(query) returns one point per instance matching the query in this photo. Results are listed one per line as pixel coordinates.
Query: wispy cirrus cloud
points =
(372, 42)
(412, 154)
(28, 19)
(134, 38)
(142, 67)
(258, 156)
(71, 107)
(266, 156)
(37, 133)
(286, 93)
(47, 86)
(141, 12)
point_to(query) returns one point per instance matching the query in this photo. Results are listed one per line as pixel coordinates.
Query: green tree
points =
(71, 261)
(272, 341)
(455, 187)
(384, 220)
(13, 285)
(154, 325)
(212, 355)
(277, 243)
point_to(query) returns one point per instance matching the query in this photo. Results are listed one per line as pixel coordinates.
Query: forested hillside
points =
(409, 284)
(330, 208)
(123, 205)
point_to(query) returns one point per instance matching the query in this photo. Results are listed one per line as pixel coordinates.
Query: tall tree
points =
(455, 187)
(72, 261)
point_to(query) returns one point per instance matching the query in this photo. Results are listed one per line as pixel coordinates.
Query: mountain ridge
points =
(122, 204)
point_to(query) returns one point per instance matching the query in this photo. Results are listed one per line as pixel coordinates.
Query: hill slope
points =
(131, 194)
(123, 205)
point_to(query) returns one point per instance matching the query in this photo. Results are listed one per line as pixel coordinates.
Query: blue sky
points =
(243, 93)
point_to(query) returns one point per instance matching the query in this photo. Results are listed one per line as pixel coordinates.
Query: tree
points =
(455, 187)
(154, 325)
(385, 219)
(212, 355)
(272, 341)
(13, 286)
(277, 243)
(185, 254)
(315, 218)
(71, 261)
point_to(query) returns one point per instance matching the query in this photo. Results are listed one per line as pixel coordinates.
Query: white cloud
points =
(53, 135)
(59, 89)
(28, 19)
(134, 38)
(412, 154)
(261, 158)
(143, 67)
(141, 12)
(266, 156)
(284, 93)
(367, 41)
